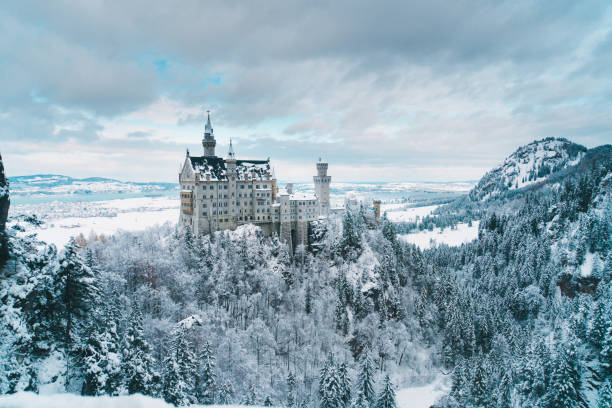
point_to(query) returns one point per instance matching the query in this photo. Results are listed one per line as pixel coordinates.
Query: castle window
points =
(225, 187)
(211, 187)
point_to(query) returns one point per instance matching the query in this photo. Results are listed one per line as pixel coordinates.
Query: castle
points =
(222, 193)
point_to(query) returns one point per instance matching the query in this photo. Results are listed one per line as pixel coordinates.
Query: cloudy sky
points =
(383, 90)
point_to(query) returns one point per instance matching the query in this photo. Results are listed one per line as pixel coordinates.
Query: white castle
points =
(221, 194)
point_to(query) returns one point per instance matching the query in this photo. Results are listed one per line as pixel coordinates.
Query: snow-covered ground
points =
(65, 219)
(453, 237)
(421, 397)
(400, 212)
(31, 400)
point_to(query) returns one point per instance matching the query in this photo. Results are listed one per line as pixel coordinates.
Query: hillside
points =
(529, 164)
(520, 316)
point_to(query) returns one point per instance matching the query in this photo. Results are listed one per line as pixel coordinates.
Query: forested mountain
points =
(527, 165)
(520, 317)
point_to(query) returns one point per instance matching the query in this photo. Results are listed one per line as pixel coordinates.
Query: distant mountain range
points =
(54, 186)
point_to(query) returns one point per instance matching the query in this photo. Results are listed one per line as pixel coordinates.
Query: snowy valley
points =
(496, 298)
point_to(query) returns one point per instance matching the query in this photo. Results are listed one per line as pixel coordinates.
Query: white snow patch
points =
(399, 214)
(31, 400)
(586, 269)
(452, 237)
(421, 397)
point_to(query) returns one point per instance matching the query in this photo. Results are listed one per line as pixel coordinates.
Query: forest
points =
(522, 316)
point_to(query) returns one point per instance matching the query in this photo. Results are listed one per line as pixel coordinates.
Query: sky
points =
(383, 90)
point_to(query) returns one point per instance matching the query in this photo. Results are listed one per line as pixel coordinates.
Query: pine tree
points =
(251, 397)
(386, 398)
(565, 389)
(605, 356)
(308, 300)
(365, 380)
(102, 362)
(179, 371)
(604, 395)
(138, 363)
(480, 392)
(76, 293)
(268, 401)
(207, 379)
(344, 384)
(330, 395)
(290, 390)
(226, 393)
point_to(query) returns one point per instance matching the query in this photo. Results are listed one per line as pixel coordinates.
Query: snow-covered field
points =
(62, 220)
(400, 212)
(421, 397)
(453, 237)
(31, 400)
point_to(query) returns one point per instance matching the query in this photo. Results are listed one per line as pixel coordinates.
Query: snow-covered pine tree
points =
(386, 397)
(268, 401)
(365, 380)
(251, 396)
(206, 380)
(479, 388)
(102, 362)
(290, 390)
(226, 393)
(604, 394)
(138, 363)
(344, 384)
(179, 371)
(565, 388)
(330, 394)
(75, 293)
(605, 356)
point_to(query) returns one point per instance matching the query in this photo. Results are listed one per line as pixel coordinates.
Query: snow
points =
(66, 220)
(452, 237)
(406, 214)
(586, 269)
(188, 322)
(31, 400)
(421, 397)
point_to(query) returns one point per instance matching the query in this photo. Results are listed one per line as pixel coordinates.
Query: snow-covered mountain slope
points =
(529, 164)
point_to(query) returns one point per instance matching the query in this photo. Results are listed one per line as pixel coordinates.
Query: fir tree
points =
(308, 300)
(330, 394)
(365, 380)
(480, 392)
(207, 378)
(386, 398)
(138, 363)
(604, 395)
(251, 397)
(226, 393)
(102, 362)
(605, 356)
(179, 371)
(290, 390)
(344, 384)
(565, 388)
(268, 401)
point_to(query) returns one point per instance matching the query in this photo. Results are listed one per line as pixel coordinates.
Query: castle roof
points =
(217, 169)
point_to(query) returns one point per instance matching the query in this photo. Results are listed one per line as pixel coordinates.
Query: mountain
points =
(58, 186)
(529, 164)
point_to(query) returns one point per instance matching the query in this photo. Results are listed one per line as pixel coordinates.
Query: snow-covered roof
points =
(217, 169)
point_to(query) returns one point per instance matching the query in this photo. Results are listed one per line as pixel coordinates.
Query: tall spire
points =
(230, 153)
(208, 127)
(209, 141)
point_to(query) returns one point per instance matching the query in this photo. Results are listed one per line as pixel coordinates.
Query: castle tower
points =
(209, 141)
(321, 182)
